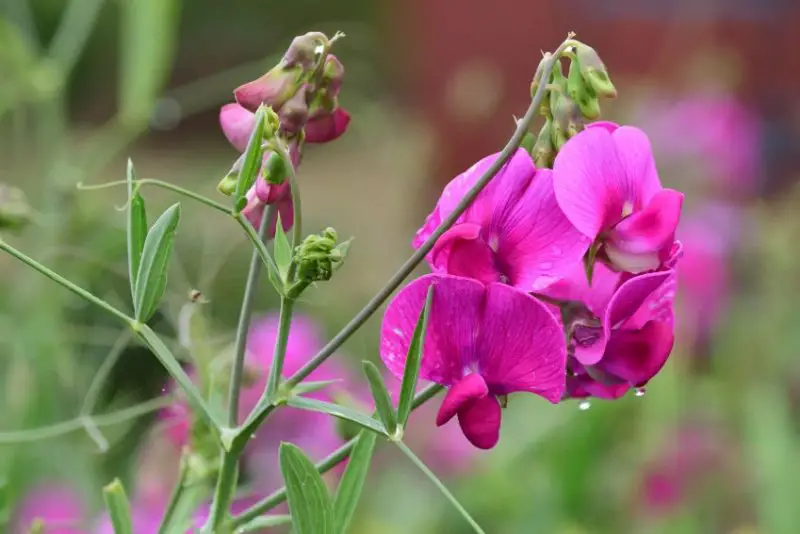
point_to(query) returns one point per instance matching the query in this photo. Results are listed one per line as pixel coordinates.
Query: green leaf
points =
(352, 483)
(252, 161)
(119, 509)
(148, 33)
(152, 278)
(413, 360)
(136, 227)
(309, 387)
(282, 250)
(383, 401)
(309, 502)
(335, 410)
(265, 521)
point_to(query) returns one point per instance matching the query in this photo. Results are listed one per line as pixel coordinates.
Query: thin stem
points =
(66, 427)
(73, 32)
(438, 483)
(175, 496)
(251, 285)
(284, 326)
(416, 258)
(297, 228)
(224, 490)
(334, 459)
(163, 185)
(57, 278)
(258, 243)
(90, 400)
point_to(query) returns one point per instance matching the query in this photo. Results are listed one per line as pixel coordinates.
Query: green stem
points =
(73, 32)
(438, 483)
(284, 326)
(66, 427)
(224, 490)
(297, 228)
(259, 245)
(163, 185)
(176, 495)
(377, 301)
(57, 278)
(334, 459)
(251, 285)
(99, 380)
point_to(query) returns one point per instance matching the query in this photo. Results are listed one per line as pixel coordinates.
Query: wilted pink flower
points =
(622, 329)
(483, 341)
(325, 126)
(59, 507)
(514, 231)
(606, 183)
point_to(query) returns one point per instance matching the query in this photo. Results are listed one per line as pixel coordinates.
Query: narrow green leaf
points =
(119, 509)
(335, 410)
(309, 502)
(136, 227)
(309, 387)
(265, 521)
(383, 401)
(149, 30)
(352, 483)
(152, 278)
(252, 161)
(282, 250)
(413, 360)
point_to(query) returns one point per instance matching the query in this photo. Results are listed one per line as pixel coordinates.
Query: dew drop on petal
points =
(398, 332)
(639, 392)
(584, 405)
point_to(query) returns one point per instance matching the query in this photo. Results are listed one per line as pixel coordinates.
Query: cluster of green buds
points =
(572, 101)
(319, 255)
(15, 212)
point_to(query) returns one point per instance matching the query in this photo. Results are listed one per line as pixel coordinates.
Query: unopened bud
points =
(582, 93)
(227, 186)
(15, 212)
(333, 75)
(319, 256)
(273, 89)
(567, 121)
(543, 151)
(274, 169)
(294, 113)
(594, 71)
(303, 50)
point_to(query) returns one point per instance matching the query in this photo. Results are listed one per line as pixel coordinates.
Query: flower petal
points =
(537, 243)
(449, 348)
(460, 396)
(608, 126)
(631, 295)
(462, 252)
(480, 422)
(590, 183)
(637, 355)
(636, 155)
(520, 345)
(327, 127)
(653, 228)
(237, 123)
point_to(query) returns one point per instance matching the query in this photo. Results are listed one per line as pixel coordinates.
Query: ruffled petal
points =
(651, 229)
(461, 251)
(637, 355)
(636, 156)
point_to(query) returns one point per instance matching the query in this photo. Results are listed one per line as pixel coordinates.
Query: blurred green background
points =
(432, 86)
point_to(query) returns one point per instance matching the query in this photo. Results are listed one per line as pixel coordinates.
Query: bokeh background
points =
(432, 85)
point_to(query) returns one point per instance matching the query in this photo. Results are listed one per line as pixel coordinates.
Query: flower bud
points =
(303, 50)
(273, 89)
(567, 121)
(319, 256)
(558, 86)
(227, 186)
(581, 93)
(332, 75)
(543, 151)
(294, 113)
(15, 212)
(273, 169)
(594, 71)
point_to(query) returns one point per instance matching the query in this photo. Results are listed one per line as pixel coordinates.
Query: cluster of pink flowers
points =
(513, 309)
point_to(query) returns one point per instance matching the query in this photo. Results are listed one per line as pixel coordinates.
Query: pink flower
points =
(622, 329)
(59, 507)
(326, 126)
(514, 232)
(483, 341)
(606, 183)
(237, 124)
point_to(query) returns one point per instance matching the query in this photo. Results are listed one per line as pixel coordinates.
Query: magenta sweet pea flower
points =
(59, 507)
(483, 341)
(606, 183)
(514, 231)
(622, 329)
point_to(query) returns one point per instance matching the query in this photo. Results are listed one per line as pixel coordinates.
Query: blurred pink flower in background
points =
(58, 506)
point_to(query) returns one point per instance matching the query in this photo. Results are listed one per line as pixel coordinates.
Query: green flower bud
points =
(594, 71)
(275, 170)
(15, 212)
(567, 121)
(543, 151)
(582, 93)
(227, 186)
(319, 256)
(559, 86)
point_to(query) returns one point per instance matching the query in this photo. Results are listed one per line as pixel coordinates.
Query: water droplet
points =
(639, 392)
(398, 332)
(584, 405)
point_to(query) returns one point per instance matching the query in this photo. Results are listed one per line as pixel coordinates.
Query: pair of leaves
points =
(396, 421)
(311, 507)
(149, 251)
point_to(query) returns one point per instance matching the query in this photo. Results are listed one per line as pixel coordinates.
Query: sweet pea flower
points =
(606, 184)
(483, 342)
(237, 124)
(622, 329)
(325, 126)
(59, 507)
(514, 231)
